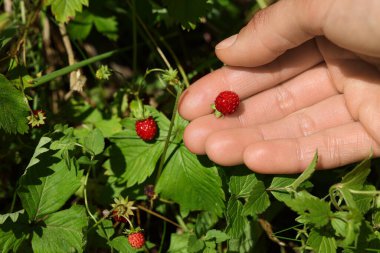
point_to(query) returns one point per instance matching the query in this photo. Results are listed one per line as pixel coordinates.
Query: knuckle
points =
(285, 100)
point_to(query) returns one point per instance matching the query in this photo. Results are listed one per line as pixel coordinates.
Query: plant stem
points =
(134, 37)
(158, 215)
(163, 238)
(174, 114)
(85, 195)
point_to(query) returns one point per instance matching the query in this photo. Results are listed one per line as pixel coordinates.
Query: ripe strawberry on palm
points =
(226, 103)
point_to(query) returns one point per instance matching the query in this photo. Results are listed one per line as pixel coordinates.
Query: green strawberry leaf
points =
(311, 209)
(194, 187)
(48, 184)
(195, 245)
(121, 244)
(13, 216)
(61, 232)
(39, 150)
(94, 142)
(216, 235)
(106, 229)
(258, 201)
(187, 12)
(14, 109)
(65, 9)
(205, 221)
(242, 186)
(14, 231)
(321, 243)
(235, 220)
(179, 243)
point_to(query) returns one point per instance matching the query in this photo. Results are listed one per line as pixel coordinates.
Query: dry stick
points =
(158, 215)
(75, 77)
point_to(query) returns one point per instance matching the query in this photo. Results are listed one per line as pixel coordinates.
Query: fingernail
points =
(227, 42)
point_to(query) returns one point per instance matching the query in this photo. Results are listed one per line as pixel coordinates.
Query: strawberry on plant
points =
(146, 129)
(136, 239)
(122, 209)
(226, 103)
(37, 118)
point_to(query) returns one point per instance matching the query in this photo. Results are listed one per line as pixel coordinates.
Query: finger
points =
(196, 100)
(227, 147)
(360, 82)
(289, 23)
(336, 147)
(309, 88)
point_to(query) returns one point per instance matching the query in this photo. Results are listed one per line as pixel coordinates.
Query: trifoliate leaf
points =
(61, 232)
(258, 201)
(242, 186)
(311, 209)
(13, 108)
(194, 187)
(321, 243)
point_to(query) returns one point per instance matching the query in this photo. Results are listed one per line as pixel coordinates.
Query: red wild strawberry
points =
(226, 103)
(136, 239)
(146, 129)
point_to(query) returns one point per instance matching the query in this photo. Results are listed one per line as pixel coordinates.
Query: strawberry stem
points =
(158, 215)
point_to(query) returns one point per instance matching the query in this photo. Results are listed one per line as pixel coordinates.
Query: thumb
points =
(289, 23)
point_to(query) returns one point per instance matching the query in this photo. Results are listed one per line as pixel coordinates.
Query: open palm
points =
(304, 89)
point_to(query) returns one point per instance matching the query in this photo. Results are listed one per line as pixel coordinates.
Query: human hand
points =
(308, 74)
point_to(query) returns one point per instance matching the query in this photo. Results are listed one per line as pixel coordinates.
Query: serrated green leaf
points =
(194, 187)
(179, 243)
(47, 185)
(216, 235)
(39, 150)
(279, 186)
(306, 174)
(107, 26)
(14, 233)
(347, 226)
(258, 202)
(364, 202)
(195, 245)
(81, 26)
(61, 232)
(187, 12)
(205, 221)
(242, 186)
(321, 243)
(121, 244)
(311, 209)
(13, 108)
(235, 220)
(105, 229)
(94, 142)
(64, 9)
(13, 216)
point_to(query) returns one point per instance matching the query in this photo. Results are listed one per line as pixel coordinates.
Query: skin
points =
(308, 75)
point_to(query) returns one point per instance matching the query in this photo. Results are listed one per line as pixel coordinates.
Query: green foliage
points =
(65, 9)
(203, 186)
(62, 183)
(13, 108)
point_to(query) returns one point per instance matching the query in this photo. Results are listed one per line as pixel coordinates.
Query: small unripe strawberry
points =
(146, 129)
(136, 240)
(118, 217)
(226, 103)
